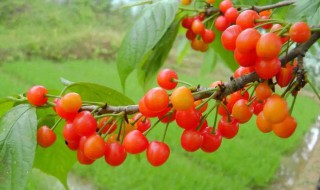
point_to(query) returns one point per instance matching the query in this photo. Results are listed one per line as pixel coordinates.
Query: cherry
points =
(245, 59)
(144, 110)
(263, 91)
(231, 15)
(241, 111)
(229, 36)
(190, 35)
(246, 19)
(188, 119)
(115, 154)
(85, 123)
(169, 118)
(208, 36)
(247, 40)
(69, 132)
(187, 22)
(242, 71)
(143, 123)
(285, 75)
(71, 102)
(62, 113)
(266, 69)
(83, 159)
(257, 106)
(225, 5)
(157, 153)
(275, 109)
(197, 26)
(276, 28)
(299, 32)
(228, 128)
(112, 138)
(36, 95)
(165, 79)
(203, 108)
(45, 136)
(94, 147)
(72, 145)
(182, 98)
(156, 99)
(135, 142)
(186, 2)
(211, 142)
(268, 46)
(221, 23)
(263, 124)
(285, 128)
(191, 140)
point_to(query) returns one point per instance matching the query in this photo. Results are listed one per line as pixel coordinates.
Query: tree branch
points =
(273, 6)
(225, 89)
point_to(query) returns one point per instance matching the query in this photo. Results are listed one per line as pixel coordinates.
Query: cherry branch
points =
(225, 89)
(273, 6)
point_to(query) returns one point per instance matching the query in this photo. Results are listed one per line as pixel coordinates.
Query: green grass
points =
(249, 160)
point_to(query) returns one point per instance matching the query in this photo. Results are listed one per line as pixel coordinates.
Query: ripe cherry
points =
(211, 142)
(266, 69)
(62, 113)
(285, 75)
(182, 98)
(115, 154)
(71, 102)
(241, 111)
(231, 15)
(186, 2)
(144, 110)
(242, 71)
(156, 99)
(275, 109)
(208, 36)
(225, 5)
(197, 26)
(228, 128)
(191, 140)
(164, 118)
(285, 128)
(299, 32)
(36, 95)
(229, 36)
(188, 119)
(247, 40)
(157, 153)
(263, 124)
(263, 91)
(83, 159)
(45, 136)
(135, 142)
(143, 123)
(69, 132)
(165, 79)
(268, 46)
(85, 123)
(246, 19)
(94, 147)
(221, 23)
(187, 22)
(245, 59)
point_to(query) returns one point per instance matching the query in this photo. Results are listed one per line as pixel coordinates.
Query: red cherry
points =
(85, 123)
(229, 36)
(135, 142)
(69, 132)
(267, 69)
(36, 95)
(165, 78)
(188, 119)
(115, 154)
(45, 136)
(94, 147)
(228, 129)
(157, 153)
(191, 140)
(211, 142)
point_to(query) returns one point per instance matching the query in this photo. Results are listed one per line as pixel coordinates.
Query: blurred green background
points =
(42, 40)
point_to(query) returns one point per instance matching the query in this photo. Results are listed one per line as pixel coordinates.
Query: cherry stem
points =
(119, 133)
(165, 132)
(210, 17)
(16, 99)
(263, 24)
(284, 29)
(214, 126)
(56, 124)
(292, 104)
(63, 90)
(105, 124)
(180, 81)
(52, 96)
(270, 20)
(251, 101)
(94, 103)
(136, 120)
(147, 131)
(314, 88)
(206, 101)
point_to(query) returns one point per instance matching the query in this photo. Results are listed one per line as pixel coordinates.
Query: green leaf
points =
(57, 160)
(17, 146)
(99, 93)
(183, 49)
(5, 105)
(225, 56)
(145, 34)
(306, 10)
(156, 58)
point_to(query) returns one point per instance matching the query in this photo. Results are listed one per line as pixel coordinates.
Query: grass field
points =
(249, 160)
